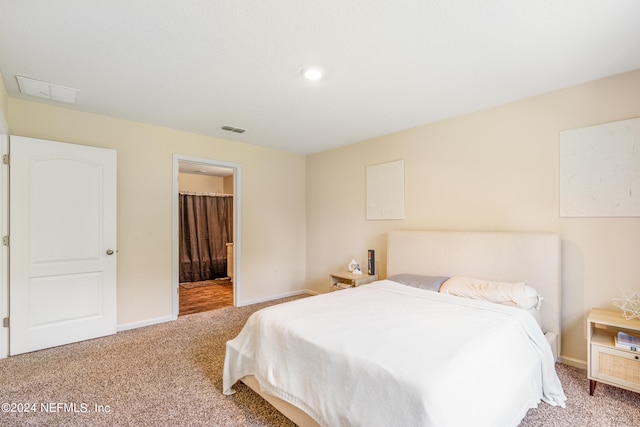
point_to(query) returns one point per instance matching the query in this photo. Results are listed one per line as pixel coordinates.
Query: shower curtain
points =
(206, 226)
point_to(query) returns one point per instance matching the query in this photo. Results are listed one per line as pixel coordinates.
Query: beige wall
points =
(493, 170)
(272, 223)
(4, 102)
(227, 184)
(201, 183)
(496, 169)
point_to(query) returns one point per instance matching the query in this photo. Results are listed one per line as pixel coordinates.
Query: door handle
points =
(109, 251)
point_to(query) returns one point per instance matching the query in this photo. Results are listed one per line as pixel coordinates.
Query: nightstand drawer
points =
(616, 366)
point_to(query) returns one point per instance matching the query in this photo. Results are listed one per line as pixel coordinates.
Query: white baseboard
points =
(274, 297)
(572, 361)
(164, 319)
(144, 323)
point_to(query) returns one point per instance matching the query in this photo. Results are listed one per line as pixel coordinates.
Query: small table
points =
(607, 363)
(345, 280)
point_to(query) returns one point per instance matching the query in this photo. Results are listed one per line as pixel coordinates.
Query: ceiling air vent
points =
(233, 129)
(46, 90)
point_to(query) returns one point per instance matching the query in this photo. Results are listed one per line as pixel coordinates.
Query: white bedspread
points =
(385, 354)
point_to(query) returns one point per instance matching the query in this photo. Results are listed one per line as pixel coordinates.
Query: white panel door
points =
(62, 213)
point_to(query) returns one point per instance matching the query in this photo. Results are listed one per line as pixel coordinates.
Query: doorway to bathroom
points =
(205, 235)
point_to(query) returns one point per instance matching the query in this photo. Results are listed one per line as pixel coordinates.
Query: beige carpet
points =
(170, 375)
(163, 375)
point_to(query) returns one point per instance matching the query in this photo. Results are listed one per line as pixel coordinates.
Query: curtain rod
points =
(198, 193)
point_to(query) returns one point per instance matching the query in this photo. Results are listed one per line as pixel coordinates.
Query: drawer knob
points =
(637, 357)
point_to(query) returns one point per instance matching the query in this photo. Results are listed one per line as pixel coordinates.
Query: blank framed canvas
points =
(385, 191)
(600, 170)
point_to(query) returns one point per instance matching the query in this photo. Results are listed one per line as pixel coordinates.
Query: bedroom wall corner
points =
(491, 170)
(272, 212)
(4, 104)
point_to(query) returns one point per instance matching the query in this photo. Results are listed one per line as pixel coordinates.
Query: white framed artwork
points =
(600, 170)
(385, 191)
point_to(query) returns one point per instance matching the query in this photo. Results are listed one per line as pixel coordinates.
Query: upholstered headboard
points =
(533, 258)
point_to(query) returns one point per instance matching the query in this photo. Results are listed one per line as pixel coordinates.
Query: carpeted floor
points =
(170, 374)
(608, 407)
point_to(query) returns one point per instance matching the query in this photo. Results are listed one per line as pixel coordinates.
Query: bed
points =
(391, 354)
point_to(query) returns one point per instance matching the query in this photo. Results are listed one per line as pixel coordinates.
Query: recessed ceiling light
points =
(312, 73)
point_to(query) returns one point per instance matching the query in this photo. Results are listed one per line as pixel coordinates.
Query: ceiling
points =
(199, 65)
(195, 168)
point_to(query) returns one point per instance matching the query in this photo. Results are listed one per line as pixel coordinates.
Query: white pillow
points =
(514, 294)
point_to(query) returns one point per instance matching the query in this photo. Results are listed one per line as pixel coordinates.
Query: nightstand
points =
(607, 363)
(344, 280)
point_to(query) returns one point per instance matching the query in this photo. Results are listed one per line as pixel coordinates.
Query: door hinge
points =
(5, 240)
(5, 159)
(5, 322)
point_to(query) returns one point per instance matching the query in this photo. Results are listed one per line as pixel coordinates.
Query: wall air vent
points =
(233, 129)
(46, 90)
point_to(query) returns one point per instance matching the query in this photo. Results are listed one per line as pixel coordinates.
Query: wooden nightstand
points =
(344, 280)
(605, 362)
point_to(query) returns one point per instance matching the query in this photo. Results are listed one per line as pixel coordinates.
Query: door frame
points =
(4, 231)
(177, 159)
